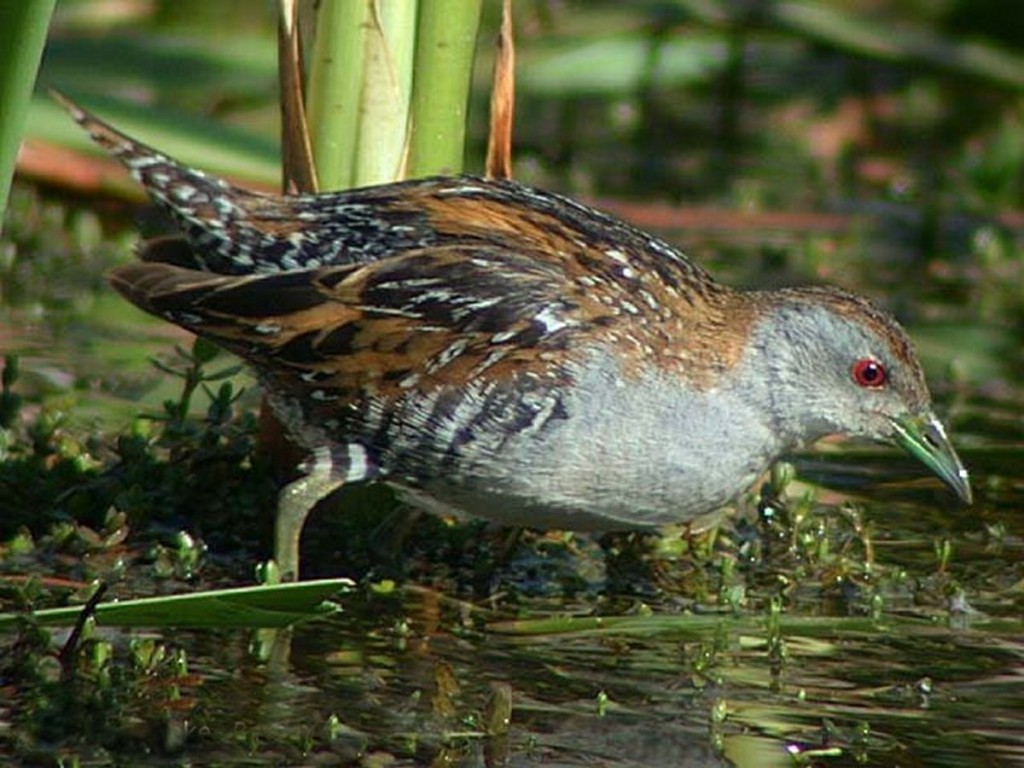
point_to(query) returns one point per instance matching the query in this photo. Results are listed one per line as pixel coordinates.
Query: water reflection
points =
(399, 679)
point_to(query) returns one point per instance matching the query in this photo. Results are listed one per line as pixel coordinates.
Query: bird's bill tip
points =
(923, 437)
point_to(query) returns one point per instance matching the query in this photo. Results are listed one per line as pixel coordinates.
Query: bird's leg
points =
(294, 504)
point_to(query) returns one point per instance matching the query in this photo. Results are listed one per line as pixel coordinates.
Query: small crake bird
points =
(493, 349)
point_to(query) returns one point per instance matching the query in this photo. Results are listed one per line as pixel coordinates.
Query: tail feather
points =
(212, 213)
(169, 249)
(159, 288)
(170, 183)
(129, 151)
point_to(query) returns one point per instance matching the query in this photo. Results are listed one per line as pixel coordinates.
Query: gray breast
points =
(609, 453)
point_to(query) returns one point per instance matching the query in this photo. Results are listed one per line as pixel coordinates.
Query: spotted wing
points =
(423, 319)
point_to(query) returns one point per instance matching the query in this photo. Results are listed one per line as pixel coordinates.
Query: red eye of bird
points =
(869, 373)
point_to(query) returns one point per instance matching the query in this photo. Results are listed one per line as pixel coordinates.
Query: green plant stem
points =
(445, 46)
(334, 89)
(23, 26)
(387, 86)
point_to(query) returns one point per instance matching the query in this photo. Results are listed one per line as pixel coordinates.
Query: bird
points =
(491, 349)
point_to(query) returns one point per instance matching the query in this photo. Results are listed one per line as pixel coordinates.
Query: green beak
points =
(924, 438)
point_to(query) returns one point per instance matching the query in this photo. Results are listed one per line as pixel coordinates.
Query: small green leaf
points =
(251, 607)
